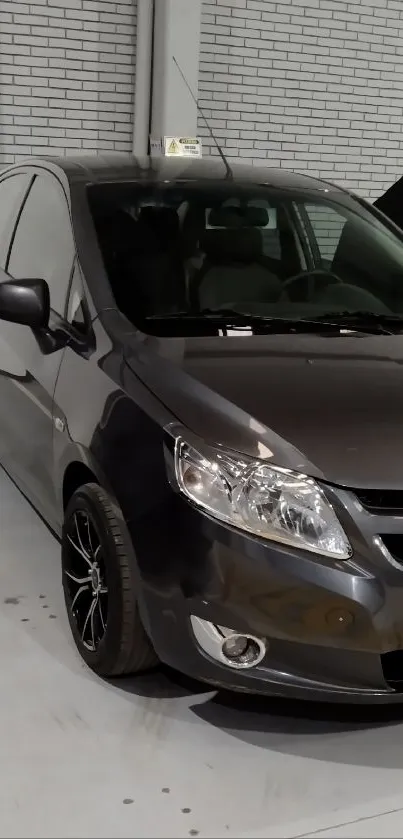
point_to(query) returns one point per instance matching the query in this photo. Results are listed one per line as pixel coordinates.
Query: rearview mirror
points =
(234, 216)
(26, 302)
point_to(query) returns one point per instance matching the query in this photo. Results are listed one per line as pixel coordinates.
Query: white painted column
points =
(176, 33)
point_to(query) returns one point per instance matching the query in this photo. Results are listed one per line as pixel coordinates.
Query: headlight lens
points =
(269, 502)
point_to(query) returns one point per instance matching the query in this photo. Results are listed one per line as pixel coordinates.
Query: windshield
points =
(178, 252)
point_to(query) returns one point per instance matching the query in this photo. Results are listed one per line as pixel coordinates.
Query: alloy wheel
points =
(85, 578)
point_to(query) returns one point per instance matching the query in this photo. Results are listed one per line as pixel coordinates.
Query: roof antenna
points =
(220, 151)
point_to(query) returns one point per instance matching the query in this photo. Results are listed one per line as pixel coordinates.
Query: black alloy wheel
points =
(100, 583)
(85, 575)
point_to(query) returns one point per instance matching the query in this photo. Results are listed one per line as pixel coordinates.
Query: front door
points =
(42, 248)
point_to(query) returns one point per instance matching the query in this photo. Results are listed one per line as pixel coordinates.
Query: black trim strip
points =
(150, 112)
(17, 221)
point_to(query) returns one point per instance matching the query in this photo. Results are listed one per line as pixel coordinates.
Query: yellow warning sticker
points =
(182, 147)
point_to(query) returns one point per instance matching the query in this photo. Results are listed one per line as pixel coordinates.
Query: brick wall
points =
(309, 85)
(66, 76)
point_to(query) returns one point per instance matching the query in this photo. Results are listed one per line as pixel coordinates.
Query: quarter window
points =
(77, 312)
(327, 225)
(43, 246)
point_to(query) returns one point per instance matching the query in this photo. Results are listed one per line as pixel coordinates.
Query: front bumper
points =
(334, 628)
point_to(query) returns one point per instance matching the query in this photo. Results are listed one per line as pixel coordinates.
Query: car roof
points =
(97, 169)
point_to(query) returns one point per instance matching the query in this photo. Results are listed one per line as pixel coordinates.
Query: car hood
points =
(331, 406)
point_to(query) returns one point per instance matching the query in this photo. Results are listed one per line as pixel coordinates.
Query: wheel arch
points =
(76, 466)
(76, 474)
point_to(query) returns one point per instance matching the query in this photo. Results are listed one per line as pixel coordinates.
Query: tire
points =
(98, 559)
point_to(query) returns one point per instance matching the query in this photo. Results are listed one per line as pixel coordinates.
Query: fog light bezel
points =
(243, 661)
(211, 638)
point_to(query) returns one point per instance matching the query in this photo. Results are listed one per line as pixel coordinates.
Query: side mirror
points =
(26, 302)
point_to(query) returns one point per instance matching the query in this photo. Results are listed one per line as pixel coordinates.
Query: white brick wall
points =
(309, 85)
(66, 76)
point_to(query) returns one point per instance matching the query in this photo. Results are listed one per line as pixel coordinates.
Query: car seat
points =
(232, 271)
(116, 234)
(143, 262)
(158, 261)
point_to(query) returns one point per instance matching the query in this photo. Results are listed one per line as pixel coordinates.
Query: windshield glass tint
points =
(177, 250)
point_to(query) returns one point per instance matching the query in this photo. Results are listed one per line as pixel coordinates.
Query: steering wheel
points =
(310, 278)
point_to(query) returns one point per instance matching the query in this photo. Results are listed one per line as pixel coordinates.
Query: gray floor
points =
(160, 756)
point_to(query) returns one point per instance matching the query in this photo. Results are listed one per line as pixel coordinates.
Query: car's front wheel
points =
(100, 584)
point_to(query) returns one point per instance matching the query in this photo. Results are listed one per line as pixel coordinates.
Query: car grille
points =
(387, 502)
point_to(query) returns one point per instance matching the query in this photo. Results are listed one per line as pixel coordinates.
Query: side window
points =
(327, 226)
(43, 246)
(12, 192)
(77, 311)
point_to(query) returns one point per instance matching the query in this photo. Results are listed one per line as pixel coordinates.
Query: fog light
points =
(235, 646)
(243, 651)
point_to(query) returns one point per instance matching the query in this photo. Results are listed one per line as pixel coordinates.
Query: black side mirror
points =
(26, 302)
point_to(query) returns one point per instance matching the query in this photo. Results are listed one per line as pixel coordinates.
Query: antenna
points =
(200, 111)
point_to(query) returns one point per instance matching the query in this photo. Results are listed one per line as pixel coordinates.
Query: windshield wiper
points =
(383, 324)
(386, 324)
(220, 314)
(233, 318)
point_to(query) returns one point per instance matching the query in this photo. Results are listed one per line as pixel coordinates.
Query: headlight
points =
(272, 503)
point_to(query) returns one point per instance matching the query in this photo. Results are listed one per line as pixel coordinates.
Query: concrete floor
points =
(159, 756)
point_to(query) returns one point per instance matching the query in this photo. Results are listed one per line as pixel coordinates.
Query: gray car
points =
(201, 392)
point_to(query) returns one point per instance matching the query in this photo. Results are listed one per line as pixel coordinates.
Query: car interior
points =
(173, 253)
